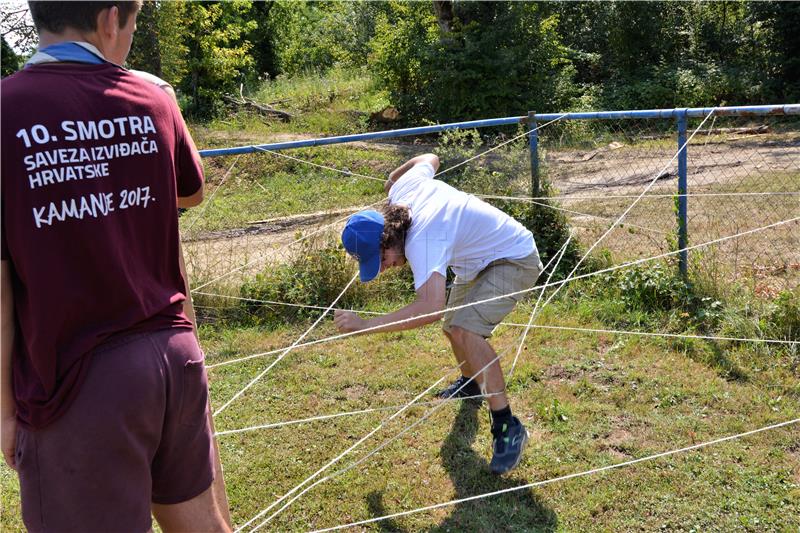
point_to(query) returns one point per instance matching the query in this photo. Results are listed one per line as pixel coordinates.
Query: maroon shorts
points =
(136, 433)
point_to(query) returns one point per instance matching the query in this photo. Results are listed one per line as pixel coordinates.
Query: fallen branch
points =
(263, 109)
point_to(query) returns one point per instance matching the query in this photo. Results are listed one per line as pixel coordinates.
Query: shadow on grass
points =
(520, 510)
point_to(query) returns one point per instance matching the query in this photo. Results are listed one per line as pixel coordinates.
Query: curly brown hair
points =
(396, 222)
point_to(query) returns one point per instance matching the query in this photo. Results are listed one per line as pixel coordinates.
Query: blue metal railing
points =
(681, 115)
(791, 109)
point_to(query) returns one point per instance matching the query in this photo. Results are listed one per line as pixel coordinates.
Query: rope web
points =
(322, 475)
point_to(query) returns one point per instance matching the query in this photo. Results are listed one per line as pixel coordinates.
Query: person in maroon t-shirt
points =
(104, 392)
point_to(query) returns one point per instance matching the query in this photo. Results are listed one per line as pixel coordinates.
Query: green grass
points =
(589, 400)
(336, 103)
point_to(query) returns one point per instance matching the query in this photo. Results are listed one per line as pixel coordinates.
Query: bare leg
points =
(201, 513)
(218, 485)
(478, 353)
(466, 369)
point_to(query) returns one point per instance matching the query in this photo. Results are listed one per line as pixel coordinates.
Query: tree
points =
(16, 26)
(457, 65)
(218, 54)
(315, 36)
(158, 46)
(145, 51)
(8, 59)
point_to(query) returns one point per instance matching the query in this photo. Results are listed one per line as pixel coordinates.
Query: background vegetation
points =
(446, 60)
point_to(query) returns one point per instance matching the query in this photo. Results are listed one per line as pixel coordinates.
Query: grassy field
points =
(589, 399)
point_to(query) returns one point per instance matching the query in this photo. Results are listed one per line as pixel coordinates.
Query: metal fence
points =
(738, 172)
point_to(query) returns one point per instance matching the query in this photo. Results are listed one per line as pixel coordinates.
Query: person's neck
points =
(48, 39)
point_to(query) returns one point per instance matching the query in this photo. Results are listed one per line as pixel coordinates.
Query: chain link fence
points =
(743, 173)
(268, 230)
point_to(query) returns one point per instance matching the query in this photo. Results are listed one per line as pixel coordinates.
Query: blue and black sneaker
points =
(469, 392)
(509, 440)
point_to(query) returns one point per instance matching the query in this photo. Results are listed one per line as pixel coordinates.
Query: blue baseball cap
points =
(362, 239)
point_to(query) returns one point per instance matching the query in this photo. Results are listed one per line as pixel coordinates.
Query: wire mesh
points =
(743, 173)
(268, 231)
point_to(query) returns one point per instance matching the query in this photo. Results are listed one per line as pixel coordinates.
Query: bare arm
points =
(398, 173)
(191, 201)
(9, 410)
(430, 299)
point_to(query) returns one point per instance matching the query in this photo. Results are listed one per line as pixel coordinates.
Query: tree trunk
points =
(444, 14)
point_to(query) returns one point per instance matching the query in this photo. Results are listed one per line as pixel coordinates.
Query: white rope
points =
(535, 326)
(562, 478)
(319, 307)
(431, 411)
(346, 413)
(527, 133)
(319, 230)
(524, 291)
(636, 201)
(534, 313)
(211, 197)
(363, 458)
(469, 380)
(628, 196)
(617, 221)
(650, 334)
(372, 452)
(307, 162)
(287, 350)
(323, 228)
(601, 217)
(386, 442)
(285, 304)
(408, 428)
(338, 457)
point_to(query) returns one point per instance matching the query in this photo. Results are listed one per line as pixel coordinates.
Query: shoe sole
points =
(519, 459)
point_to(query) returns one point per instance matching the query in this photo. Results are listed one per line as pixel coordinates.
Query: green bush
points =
(473, 70)
(783, 318)
(658, 290)
(315, 277)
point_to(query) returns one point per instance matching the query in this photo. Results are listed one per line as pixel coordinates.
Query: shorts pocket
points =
(194, 401)
(497, 283)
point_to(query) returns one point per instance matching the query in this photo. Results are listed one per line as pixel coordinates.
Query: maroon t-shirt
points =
(93, 159)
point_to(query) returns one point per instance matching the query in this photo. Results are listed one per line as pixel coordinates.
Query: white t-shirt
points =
(452, 228)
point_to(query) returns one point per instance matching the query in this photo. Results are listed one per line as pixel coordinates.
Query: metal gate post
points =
(683, 238)
(534, 147)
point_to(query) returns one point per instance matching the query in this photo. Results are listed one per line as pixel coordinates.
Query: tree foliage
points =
(218, 55)
(313, 36)
(9, 62)
(448, 60)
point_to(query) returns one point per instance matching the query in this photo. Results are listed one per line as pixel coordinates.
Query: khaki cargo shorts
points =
(502, 276)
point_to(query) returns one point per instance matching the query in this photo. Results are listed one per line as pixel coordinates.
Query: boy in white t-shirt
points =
(433, 226)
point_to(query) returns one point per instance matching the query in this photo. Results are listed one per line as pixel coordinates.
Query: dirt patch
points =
(353, 392)
(248, 250)
(621, 170)
(556, 374)
(617, 438)
(619, 441)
